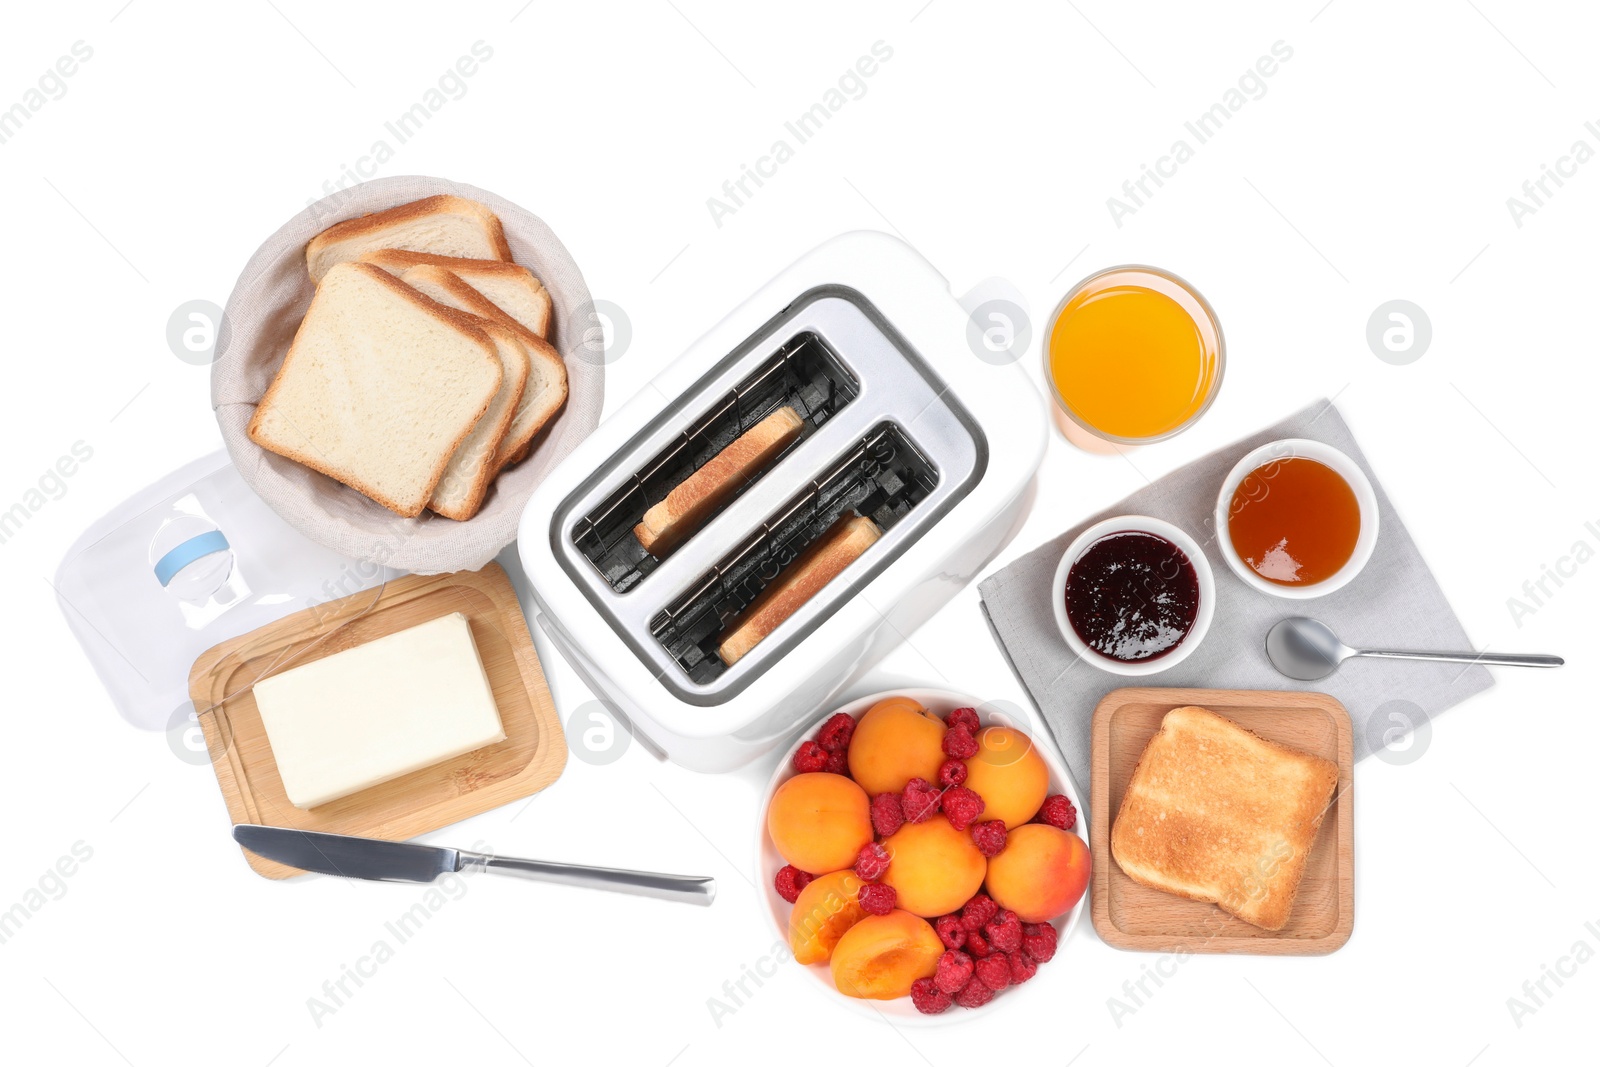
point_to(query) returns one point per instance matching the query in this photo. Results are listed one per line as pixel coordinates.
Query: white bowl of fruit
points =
(922, 855)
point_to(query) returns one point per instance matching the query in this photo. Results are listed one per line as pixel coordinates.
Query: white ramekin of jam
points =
(1133, 595)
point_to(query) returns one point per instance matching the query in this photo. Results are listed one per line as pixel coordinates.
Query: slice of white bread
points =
(1215, 813)
(547, 380)
(509, 286)
(841, 545)
(379, 388)
(518, 293)
(443, 225)
(683, 509)
(466, 480)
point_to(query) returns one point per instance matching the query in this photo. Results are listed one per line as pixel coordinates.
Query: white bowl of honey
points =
(1297, 519)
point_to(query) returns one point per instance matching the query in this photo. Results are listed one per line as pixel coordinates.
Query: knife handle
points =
(684, 888)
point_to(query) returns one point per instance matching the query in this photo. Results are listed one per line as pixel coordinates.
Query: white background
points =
(1376, 166)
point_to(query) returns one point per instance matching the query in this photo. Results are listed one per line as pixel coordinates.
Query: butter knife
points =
(405, 861)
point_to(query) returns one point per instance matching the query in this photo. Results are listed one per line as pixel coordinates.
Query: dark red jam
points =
(1132, 596)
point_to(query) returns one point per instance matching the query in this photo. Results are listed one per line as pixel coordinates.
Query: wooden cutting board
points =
(1133, 916)
(530, 758)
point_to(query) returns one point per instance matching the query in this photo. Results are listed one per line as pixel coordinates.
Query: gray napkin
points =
(1393, 603)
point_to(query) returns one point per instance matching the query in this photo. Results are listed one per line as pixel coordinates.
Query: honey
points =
(1294, 521)
(1134, 354)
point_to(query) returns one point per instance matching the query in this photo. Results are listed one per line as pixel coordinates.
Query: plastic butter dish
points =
(369, 714)
(184, 564)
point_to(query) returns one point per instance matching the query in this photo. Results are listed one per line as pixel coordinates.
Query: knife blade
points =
(406, 861)
(351, 857)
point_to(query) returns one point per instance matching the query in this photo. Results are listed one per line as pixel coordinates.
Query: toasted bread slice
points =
(547, 380)
(1215, 813)
(836, 549)
(379, 388)
(509, 286)
(443, 225)
(683, 509)
(466, 480)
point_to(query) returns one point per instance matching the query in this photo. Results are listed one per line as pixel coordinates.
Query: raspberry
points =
(952, 772)
(887, 815)
(920, 800)
(959, 743)
(877, 899)
(1039, 941)
(1004, 931)
(977, 911)
(928, 998)
(990, 837)
(871, 862)
(967, 717)
(1058, 811)
(810, 757)
(977, 947)
(835, 733)
(1022, 968)
(838, 763)
(790, 881)
(961, 806)
(950, 931)
(954, 971)
(994, 971)
(974, 994)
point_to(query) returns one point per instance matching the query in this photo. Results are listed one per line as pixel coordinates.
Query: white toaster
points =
(904, 423)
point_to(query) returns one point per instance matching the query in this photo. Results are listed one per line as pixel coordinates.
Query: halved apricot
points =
(879, 957)
(823, 912)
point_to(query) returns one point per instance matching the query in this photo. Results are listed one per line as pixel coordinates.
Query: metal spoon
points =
(1306, 649)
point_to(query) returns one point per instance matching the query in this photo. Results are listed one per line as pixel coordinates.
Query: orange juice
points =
(1135, 354)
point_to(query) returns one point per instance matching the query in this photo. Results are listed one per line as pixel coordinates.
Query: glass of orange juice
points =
(1134, 355)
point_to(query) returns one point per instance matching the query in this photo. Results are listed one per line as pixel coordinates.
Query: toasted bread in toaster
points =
(842, 544)
(1217, 814)
(708, 488)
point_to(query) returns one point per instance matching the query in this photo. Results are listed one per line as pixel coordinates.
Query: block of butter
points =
(374, 712)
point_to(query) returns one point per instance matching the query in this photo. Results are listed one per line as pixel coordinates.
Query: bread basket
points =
(264, 311)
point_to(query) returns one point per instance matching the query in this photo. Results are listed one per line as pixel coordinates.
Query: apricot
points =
(879, 957)
(933, 867)
(819, 821)
(1009, 774)
(895, 741)
(1041, 873)
(823, 911)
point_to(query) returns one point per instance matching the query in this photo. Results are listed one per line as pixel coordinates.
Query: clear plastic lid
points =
(182, 565)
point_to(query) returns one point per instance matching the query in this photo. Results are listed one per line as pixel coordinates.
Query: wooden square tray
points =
(1133, 916)
(530, 758)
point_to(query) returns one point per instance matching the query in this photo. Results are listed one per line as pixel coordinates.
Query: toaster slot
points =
(883, 477)
(804, 374)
